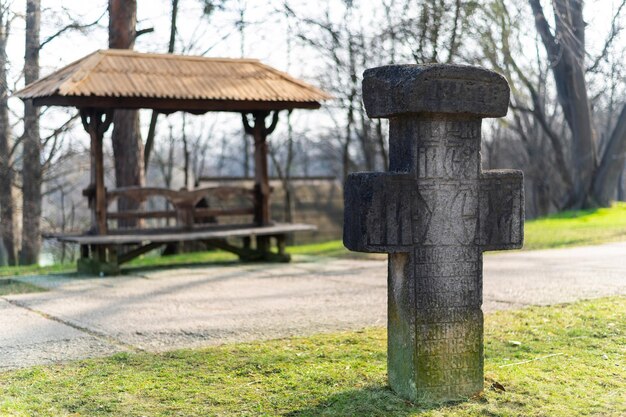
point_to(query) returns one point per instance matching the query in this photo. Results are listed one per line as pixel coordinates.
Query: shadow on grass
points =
(375, 401)
(13, 287)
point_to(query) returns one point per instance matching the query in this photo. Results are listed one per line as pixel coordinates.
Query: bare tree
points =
(39, 155)
(126, 137)
(31, 163)
(284, 170)
(185, 152)
(200, 147)
(153, 119)
(532, 128)
(552, 95)
(593, 183)
(7, 211)
(420, 31)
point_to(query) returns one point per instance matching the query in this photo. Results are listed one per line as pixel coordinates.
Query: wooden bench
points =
(196, 216)
(185, 205)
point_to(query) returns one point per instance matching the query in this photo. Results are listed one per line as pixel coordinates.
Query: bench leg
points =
(97, 263)
(114, 251)
(263, 244)
(101, 252)
(281, 241)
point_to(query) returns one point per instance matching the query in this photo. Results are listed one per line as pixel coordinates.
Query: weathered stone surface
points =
(393, 90)
(435, 212)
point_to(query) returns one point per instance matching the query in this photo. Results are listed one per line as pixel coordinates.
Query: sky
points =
(264, 39)
(216, 36)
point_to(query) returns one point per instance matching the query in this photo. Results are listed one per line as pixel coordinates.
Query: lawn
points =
(575, 228)
(563, 360)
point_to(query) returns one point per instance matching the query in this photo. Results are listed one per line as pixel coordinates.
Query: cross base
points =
(435, 326)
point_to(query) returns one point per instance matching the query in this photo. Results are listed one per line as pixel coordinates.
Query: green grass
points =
(12, 271)
(344, 374)
(571, 228)
(575, 228)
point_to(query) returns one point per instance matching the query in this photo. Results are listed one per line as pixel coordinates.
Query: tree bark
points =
(7, 212)
(126, 136)
(32, 170)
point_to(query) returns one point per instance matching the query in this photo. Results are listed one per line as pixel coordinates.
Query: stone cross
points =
(434, 212)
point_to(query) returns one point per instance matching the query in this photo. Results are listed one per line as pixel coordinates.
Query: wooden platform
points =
(192, 235)
(104, 254)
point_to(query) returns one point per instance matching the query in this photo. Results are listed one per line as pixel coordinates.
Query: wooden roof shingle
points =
(118, 78)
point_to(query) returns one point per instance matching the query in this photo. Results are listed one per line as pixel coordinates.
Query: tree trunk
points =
(566, 52)
(126, 136)
(185, 154)
(7, 213)
(289, 201)
(31, 171)
(155, 114)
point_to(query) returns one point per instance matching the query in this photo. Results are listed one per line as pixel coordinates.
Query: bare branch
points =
(544, 29)
(615, 30)
(143, 32)
(71, 26)
(65, 126)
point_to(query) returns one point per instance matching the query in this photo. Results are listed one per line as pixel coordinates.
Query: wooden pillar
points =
(261, 176)
(259, 132)
(96, 122)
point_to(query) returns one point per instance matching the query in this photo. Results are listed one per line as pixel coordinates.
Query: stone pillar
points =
(435, 212)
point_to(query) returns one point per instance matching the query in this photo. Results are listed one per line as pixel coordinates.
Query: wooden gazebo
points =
(107, 80)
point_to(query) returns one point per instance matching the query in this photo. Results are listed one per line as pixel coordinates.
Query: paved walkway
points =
(191, 307)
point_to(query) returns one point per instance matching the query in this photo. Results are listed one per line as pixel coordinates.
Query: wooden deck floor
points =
(178, 236)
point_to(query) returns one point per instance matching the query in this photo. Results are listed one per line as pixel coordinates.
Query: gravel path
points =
(191, 307)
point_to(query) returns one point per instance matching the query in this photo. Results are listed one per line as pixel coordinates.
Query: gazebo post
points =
(261, 177)
(96, 125)
(262, 190)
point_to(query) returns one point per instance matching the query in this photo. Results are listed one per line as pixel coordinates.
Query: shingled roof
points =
(128, 79)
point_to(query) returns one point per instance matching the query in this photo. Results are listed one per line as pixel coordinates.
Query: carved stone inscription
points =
(435, 212)
(460, 90)
(449, 150)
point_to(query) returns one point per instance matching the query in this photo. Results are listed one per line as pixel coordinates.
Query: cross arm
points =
(501, 208)
(377, 212)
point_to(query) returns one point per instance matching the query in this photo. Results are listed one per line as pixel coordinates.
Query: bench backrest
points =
(186, 207)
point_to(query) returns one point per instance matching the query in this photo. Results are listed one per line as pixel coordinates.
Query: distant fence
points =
(317, 200)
